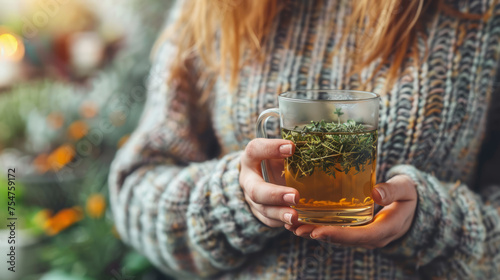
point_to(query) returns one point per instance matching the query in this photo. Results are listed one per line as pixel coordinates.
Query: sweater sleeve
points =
(182, 209)
(455, 232)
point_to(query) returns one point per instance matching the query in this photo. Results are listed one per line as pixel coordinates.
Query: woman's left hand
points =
(398, 195)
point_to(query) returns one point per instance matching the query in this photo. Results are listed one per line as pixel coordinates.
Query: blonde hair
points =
(220, 30)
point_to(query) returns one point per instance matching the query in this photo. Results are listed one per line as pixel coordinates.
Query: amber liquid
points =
(339, 199)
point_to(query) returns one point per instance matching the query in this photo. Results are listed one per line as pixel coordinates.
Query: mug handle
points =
(262, 133)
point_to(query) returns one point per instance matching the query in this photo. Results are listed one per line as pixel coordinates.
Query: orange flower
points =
(96, 205)
(41, 163)
(62, 220)
(60, 157)
(88, 109)
(77, 130)
(55, 120)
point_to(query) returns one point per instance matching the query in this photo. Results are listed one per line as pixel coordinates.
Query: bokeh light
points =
(11, 47)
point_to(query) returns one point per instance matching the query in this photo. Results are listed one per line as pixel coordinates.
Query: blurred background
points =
(72, 87)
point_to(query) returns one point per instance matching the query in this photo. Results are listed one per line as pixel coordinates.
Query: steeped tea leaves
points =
(331, 147)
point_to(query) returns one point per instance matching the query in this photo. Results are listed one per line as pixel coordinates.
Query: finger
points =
(395, 219)
(267, 221)
(261, 192)
(389, 224)
(398, 188)
(351, 236)
(282, 214)
(260, 149)
(304, 230)
(343, 236)
(293, 228)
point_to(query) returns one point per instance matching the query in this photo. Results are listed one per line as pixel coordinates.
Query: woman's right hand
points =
(270, 203)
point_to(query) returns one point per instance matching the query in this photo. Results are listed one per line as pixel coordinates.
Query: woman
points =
(187, 191)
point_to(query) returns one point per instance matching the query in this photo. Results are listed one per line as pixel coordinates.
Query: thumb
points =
(260, 149)
(398, 188)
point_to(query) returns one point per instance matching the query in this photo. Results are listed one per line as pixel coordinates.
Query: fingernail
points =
(288, 218)
(289, 198)
(286, 149)
(319, 238)
(381, 192)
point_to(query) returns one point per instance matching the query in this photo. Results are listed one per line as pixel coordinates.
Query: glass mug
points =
(333, 166)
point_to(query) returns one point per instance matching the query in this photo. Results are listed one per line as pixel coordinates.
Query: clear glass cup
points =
(333, 166)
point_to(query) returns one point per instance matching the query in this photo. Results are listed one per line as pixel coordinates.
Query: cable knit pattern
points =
(185, 210)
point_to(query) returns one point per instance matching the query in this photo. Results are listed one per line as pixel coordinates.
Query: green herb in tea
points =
(333, 168)
(332, 147)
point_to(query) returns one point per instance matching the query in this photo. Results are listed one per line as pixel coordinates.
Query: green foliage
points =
(25, 213)
(118, 91)
(88, 249)
(333, 147)
(23, 102)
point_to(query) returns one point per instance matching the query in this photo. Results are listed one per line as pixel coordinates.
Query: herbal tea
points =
(333, 168)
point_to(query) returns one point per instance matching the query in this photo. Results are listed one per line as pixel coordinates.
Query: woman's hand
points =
(270, 203)
(398, 195)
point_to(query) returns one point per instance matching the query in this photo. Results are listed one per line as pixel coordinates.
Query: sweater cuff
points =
(430, 231)
(220, 216)
(251, 227)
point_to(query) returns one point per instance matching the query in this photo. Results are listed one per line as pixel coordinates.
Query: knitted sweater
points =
(174, 185)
